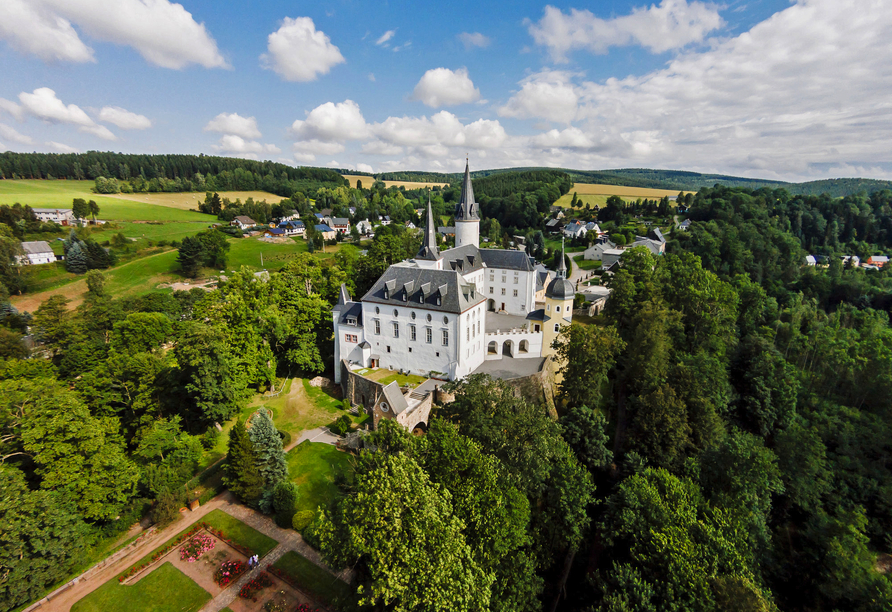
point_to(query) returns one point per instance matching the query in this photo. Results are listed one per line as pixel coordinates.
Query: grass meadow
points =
(319, 582)
(314, 467)
(368, 180)
(166, 589)
(191, 200)
(593, 193)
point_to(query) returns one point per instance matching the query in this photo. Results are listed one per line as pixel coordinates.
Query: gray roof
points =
(657, 235)
(423, 287)
(467, 209)
(340, 221)
(429, 250)
(506, 260)
(446, 230)
(463, 259)
(560, 289)
(651, 245)
(38, 247)
(245, 220)
(351, 309)
(395, 398)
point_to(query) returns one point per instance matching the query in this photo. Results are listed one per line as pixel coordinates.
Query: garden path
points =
(228, 595)
(320, 434)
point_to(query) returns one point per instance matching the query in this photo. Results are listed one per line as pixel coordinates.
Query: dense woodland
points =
(722, 436)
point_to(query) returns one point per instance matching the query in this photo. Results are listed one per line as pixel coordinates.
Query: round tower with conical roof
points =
(558, 306)
(467, 214)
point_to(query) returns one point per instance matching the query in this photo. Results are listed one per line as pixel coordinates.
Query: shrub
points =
(301, 520)
(209, 438)
(228, 572)
(286, 437)
(167, 508)
(283, 502)
(250, 590)
(341, 426)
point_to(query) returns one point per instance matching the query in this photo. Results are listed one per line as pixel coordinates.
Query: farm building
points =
(62, 216)
(242, 222)
(35, 253)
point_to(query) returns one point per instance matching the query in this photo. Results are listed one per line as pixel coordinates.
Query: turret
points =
(467, 214)
(428, 255)
(558, 306)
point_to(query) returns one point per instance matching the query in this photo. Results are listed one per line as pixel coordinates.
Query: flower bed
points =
(132, 571)
(250, 590)
(305, 608)
(197, 546)
(228, 572)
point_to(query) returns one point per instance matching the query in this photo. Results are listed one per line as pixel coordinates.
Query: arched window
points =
(524, 346)
(493, 348)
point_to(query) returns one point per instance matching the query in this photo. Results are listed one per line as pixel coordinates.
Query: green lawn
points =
(166, 230)
(240, 533)
(59, 194)
(313, 466)
(586, 264)
(401, 379)
(166, 589)
(313, 578)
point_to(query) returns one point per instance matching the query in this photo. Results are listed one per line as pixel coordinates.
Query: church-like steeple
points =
(467, 209)
(562, 266)
(429, 250)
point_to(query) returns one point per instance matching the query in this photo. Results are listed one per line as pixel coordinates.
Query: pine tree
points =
(242, 476)
(76, 259)
(191, 256)
(284, 498)
(268, 449)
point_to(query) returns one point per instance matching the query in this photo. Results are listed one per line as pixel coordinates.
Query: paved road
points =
(320, 434)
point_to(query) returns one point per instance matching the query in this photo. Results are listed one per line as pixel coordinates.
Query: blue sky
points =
(776, 89)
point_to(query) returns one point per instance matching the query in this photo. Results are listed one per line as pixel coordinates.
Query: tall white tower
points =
(467, 215)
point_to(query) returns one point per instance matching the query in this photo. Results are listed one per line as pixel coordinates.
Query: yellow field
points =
(620, 190)
(190, 201)
(368, 180)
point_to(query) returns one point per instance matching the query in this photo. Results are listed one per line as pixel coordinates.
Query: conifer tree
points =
(268, 450)
(284, 498)
(242, 476)
(76, 259)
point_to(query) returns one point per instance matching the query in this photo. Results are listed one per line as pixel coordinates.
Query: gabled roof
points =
(462, 259)
(275, 231)
(245, 220)
(395, 398)
(323, 228)
(422, 288)
(506, 260)
(340, 221)
(37, 247)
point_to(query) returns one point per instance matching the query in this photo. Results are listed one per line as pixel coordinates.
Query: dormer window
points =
(405, 296)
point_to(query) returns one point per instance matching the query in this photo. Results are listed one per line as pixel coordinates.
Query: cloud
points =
(549, 94)
(364, 168)
(123, 118)
(233, 123)
(32, 28)
(443, 87)
(385, 37)
(163, 33)
(233, 144)
(304, 158)
(318, 147)
(474, 39)
(61, 148)
(43, 104)
(372, 77)
(442, 129)
(331, 122)
(299, 52)
(671, 25)
(377, 147)
(12, 108)
(9, 133)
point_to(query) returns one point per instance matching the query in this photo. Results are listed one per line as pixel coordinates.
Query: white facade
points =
(62, 216)
(510, 291)
(467, 232)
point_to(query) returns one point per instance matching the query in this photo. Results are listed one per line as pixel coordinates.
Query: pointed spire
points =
(562, 266)
(429, 248)
(466, 209)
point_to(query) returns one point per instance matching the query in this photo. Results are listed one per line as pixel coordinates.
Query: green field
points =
(59, 194)
(313, 578)
(240, 533)
(314, 467)
(166, 589)
(586, 264)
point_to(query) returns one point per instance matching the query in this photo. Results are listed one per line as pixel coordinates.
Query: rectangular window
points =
(515, 278)
(492, 277)
(468, 334)
(377, 327)
(478, 327)
(445, 338)
(412, 333)
(557, 327)
(388, 349)
(396, 330)
(428, 334)
(491, 289)
(515, 293)
(503, 278)
(351, 338)
(503, 291)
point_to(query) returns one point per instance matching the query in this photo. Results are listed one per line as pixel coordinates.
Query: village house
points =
(596, 251)
(574, 229)
(877, 260)
(62, 216)
(35, 253)
(554, 226)
(242, 222)
(340, 225)
(364, 227)
(293, 228)
(327, 232)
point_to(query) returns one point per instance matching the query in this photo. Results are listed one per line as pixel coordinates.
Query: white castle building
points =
(446, 314)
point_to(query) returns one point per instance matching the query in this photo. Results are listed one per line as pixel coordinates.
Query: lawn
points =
(313, 466)
(586, 264)
(59, 194)
(385, 377)
(240, 533)
(300, 407)
(191, 199)
(166, 589)
(313, 578)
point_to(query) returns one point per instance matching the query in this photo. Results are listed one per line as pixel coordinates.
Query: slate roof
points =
(467, 209)
(429, 250)
(462, 259)
(340, 221)
(423, 288)
(37, 247)
(657, 235)
(395, 398)
(275, 231)
(446, 231)
(291, 224)
(506, 260)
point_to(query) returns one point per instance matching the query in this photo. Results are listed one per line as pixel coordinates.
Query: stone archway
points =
(492, 348)
(491, 305)
(508, 348)
(524, 346)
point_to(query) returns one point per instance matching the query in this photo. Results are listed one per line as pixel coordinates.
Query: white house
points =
(340, 225)
(449, 312)
(242, 222)
(62, 216)
(574, 230)
(293, 228)
(35, 253)
(327, 232)
(364, 226)
(596, 251)
(810, 260)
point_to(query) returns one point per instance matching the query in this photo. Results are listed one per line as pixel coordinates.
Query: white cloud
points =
(331, 122)
(443, 129)
(61, 148)
(230, 143)
(32, 28)
(9, 133)
(385, 37)
(377, 147)
(123, 118)
(443, 87)
(318, 147)
(99, 130)
(12, 108)
(298, 52)
(304, 158)
(671, 25)
(44, 104)
(163, 33)
(473, 39)
(372, 77)
(364, 168)
(549, 94)
(233, 123)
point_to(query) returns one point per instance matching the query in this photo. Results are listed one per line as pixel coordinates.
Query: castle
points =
(453, 313)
